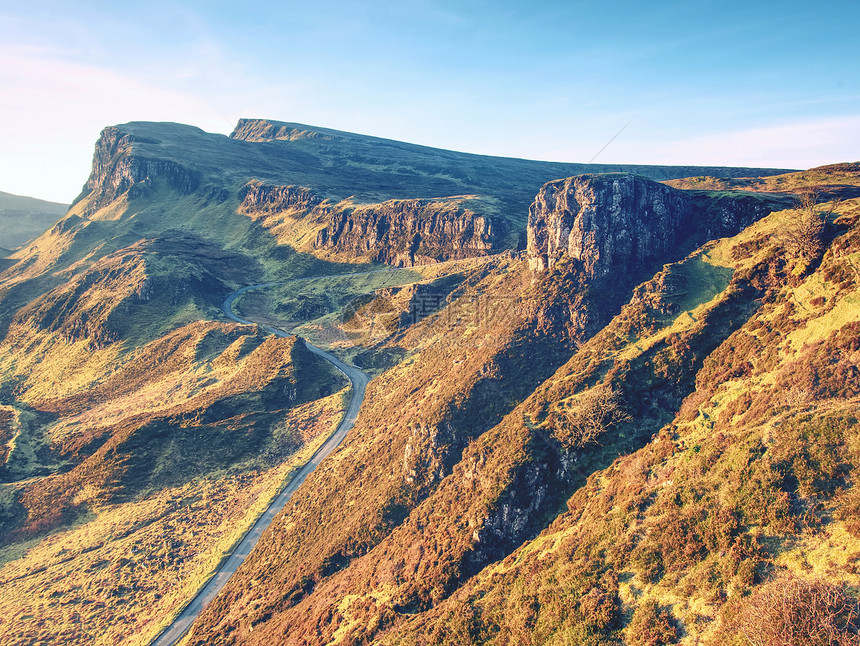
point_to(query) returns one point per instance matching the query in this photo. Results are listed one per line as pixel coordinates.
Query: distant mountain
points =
(25, 218)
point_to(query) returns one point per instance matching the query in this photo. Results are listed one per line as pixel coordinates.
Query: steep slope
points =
(335, 178)
(440, 498)
(25, 218)
(751, 478)
(503, 489)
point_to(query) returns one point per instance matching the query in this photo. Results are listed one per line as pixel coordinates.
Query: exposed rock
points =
(403, 233)
(410, 232)
(116, 171)
(617, 224)
(257, 130)
(719, 215)
(609, 222)
(592, 238)
(260, 198)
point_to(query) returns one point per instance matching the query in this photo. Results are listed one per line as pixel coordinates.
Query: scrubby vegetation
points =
(753, 478)
(124, 569)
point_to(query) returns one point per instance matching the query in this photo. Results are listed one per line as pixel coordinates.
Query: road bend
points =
(174, 632)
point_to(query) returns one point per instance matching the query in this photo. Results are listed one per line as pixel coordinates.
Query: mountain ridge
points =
(131, 157)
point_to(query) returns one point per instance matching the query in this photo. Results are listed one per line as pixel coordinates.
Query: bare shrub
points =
(804, 233)
(594, 411)
(790, 611)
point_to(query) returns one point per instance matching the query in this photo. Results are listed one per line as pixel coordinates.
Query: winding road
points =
(172, 633)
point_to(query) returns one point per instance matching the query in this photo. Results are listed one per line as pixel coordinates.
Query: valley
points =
(358, 382)
(507, 402)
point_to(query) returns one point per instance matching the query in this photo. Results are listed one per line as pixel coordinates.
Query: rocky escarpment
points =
(618, 224)
(606, 222)
(403, 233)
(259, 198)
(117, 170)
(592, 238)
(411, 232)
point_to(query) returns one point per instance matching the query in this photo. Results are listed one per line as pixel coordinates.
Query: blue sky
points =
(729, 83)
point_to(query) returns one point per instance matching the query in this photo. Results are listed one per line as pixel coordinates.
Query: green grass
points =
(126, 569)
(832, 175)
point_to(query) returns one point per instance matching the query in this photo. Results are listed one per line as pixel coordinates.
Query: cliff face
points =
(414, 209)
(619, 224)
(259, 198)
(607, 222)
(257, 130)
(403, 233)
(116, 170)
(410, 232)
(592, 238)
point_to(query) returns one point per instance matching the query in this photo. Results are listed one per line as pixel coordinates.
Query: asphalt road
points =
(183, 621)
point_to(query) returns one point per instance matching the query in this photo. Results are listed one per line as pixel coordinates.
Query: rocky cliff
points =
(403, 233)
(257, 130)
(617, 224)
(411, 232)
(607, 222)
(374, 199)
(117, 169)
(592, 238)
(259, 198)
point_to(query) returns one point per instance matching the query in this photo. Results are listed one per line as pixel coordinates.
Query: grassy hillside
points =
(344, 170)
(140, 432)
(122, 571)
(832, 179)
(131, 472)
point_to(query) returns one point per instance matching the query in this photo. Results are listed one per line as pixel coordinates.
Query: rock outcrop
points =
(618, 224)
(117, 170)
(593, 238)
(259, 198)
(257, 130)
(606, 221)
(402, 233)
(410, 232)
